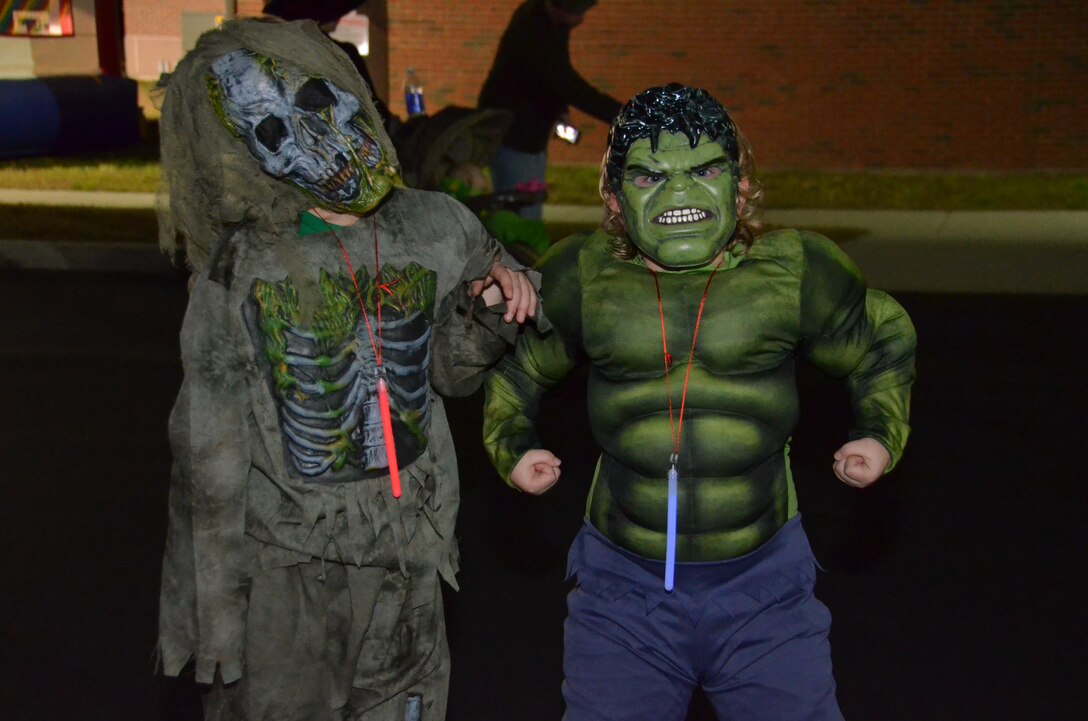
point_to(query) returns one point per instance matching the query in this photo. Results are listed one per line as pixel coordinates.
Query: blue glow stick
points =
(670, 537)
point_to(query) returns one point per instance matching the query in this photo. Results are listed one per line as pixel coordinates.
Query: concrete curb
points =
(77, 198)
(1035, 252)
(1065, 227)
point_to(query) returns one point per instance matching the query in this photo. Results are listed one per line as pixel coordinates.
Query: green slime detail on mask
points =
(253, 94)
(679, 203)
(218, 98)
(379, 181)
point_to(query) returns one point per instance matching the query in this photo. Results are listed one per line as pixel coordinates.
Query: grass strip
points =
(137, 170)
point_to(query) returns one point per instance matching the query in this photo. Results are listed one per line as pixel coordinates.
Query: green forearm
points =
(513, 392)
(511, 403)
(880, 385)
(863, 336)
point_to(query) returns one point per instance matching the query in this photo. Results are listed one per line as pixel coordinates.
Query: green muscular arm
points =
(861, 335)
(514, 387)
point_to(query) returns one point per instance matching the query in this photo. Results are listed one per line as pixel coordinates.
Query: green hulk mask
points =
(679, 202)
(672, 172)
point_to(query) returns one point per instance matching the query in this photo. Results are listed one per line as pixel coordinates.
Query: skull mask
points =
(302, 129)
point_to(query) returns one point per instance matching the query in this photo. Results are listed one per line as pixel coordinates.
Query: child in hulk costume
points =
(692, 567)
(314, 490)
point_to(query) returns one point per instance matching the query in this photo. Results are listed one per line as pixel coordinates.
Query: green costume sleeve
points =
(861, 335)
(208, 433)
(541, 359)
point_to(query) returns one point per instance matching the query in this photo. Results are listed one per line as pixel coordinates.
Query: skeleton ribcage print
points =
(324, 378)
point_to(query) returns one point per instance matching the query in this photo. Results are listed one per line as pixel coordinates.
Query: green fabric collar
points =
(730, 261)
(310, 224)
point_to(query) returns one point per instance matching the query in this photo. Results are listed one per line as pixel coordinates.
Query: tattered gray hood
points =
(210, 182)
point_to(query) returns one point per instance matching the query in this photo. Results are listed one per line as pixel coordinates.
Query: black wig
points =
(673, 108)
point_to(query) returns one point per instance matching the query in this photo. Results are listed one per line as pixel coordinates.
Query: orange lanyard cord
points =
(377, 347)
(381, 386)
(675, 428)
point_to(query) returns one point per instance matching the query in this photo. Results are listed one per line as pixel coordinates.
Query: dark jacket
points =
(532, 77)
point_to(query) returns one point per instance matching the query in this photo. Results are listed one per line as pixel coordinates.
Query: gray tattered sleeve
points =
(474, 335)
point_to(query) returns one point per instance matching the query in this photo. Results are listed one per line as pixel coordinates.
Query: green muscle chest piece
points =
(740, 408)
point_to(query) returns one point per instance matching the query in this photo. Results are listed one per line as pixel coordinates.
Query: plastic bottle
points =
(413, 94)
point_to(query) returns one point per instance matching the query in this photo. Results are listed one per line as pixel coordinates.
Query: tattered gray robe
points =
(236, 505)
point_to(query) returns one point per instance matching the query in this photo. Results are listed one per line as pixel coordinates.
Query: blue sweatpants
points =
(747, 630)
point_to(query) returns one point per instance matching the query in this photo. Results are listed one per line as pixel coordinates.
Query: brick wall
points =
(837, 84)
(154, 33)
(163, 17)
(957, 84)
(251, 7)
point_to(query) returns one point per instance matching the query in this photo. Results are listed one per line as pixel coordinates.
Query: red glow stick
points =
(387, 432)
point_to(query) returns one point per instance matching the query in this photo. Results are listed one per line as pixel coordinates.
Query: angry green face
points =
(679, 203)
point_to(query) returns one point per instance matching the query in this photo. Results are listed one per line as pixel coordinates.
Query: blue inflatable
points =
(66, 115)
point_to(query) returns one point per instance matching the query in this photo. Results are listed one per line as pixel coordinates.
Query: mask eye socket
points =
(647, 180)
(271, 132)
(314, 96)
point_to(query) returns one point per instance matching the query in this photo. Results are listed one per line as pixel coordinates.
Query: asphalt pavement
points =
(955, 584)
(1033, 252)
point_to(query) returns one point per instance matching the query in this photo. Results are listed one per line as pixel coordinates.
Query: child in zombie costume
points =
(315, 488)
(692, 567)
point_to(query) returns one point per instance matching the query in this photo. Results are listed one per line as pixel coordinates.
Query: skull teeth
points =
(681, 215)
(333, 184)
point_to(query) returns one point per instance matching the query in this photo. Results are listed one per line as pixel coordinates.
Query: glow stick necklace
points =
(383, 389)
(675, 429)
